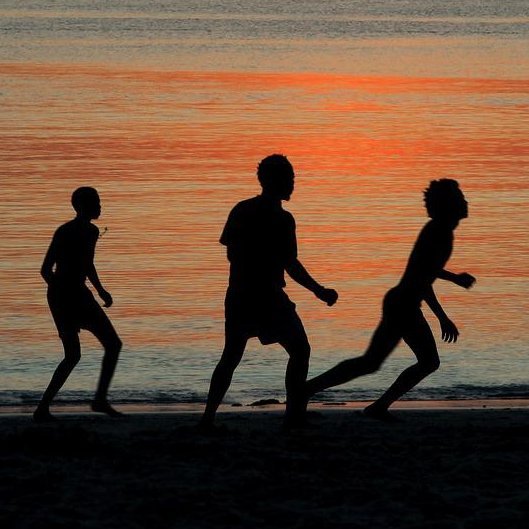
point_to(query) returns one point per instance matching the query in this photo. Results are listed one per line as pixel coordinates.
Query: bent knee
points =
(114, 346)
(227, 366)
(369, 365)
(430, 366)
(299, 351)
(75, 359)
(229, 360)
(359, 366)
(71, 359)
(304, 351)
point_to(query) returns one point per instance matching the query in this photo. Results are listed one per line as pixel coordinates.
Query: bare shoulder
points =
(64, 230)
(243, 207)
(94, 230)
(289, 217)
(78, 230)
(435, 232)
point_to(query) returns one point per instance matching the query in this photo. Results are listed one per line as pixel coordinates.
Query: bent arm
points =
(92, 275)
(447, 275)
(433, 303)
(464, 279)
(94, 279)
(46, 270)
(301, 276)
(449, 331)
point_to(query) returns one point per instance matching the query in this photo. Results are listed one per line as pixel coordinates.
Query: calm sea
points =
(167, 106)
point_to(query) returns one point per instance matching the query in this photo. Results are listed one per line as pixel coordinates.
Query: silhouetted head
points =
(86, 203)
(276, 175)
(444, 200)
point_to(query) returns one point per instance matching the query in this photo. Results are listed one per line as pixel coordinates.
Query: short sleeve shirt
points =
(261, 240)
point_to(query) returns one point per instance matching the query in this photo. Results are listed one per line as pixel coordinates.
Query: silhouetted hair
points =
(273, 167)
(440, 196)
(82, 196)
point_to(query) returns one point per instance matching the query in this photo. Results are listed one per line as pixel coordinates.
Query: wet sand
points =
(442, 466)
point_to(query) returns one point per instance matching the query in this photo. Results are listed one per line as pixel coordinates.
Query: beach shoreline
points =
(264, 405)
(462, 468)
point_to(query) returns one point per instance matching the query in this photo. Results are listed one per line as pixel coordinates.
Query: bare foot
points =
(380, 414)
(41, 415)
(103, 406)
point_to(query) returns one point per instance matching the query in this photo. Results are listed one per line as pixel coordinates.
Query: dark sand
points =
(439, 468)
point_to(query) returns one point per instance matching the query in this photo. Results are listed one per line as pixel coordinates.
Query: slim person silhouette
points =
(69, 261)
(401, 313)
(260, 237)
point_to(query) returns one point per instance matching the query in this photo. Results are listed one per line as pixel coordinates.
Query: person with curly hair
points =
(402, 318)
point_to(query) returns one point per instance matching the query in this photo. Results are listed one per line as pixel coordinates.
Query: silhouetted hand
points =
(464, 280)
(327, 295)
(106, 297)
(449, 332)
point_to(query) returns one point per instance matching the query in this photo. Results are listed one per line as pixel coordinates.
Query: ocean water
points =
(167, 106)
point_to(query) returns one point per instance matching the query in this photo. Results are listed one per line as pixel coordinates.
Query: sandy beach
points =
(440, 467)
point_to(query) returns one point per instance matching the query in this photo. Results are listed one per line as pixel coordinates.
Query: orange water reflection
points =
(171, 152)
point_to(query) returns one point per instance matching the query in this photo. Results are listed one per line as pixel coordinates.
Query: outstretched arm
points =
(463, 280)
(299, 274)
(94, 279)
(449, 332)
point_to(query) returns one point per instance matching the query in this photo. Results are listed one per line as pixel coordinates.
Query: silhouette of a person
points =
(69, 261)
(401, 313)
(260, 237)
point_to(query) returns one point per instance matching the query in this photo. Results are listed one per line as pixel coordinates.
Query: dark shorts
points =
(269, 316)
(76, 308)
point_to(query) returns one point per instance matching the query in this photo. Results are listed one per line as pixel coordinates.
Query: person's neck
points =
(271, 197)
(447, 222)
(83, 218)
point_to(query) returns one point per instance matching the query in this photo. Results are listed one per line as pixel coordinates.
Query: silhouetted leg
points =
(72, 355)
(420, 339)
(384, 340)
(298, 350)
(104, 331)
(221, 379)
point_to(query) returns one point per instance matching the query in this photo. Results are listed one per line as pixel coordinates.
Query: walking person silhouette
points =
(69, 261)
(260, 237)
(401, 313)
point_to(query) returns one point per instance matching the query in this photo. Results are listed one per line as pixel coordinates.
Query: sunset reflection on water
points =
(171, 152)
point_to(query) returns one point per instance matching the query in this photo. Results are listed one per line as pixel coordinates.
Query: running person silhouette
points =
(401, 313)
(69, 261)
(260, 237)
